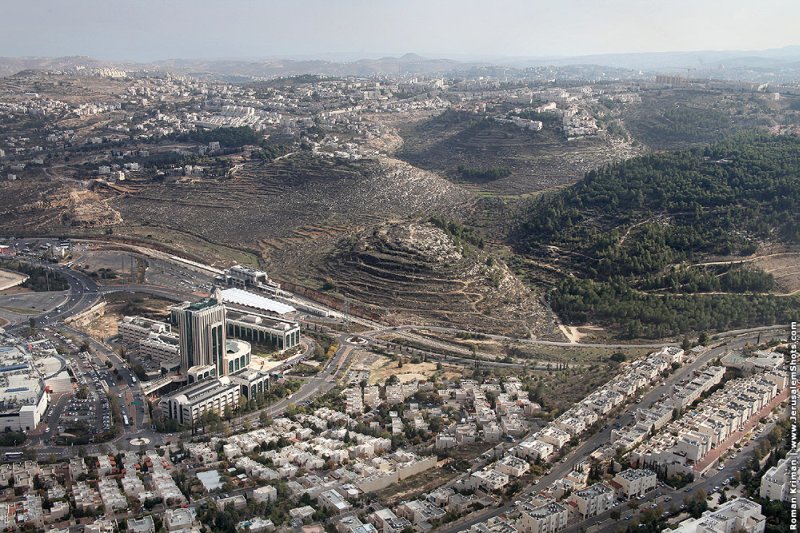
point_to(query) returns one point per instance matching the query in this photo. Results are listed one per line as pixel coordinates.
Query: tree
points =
(618, 357)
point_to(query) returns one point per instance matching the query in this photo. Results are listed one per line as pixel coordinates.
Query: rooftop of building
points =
(595, 490)
(199, 391)
(637, 473)
(546, 510)
(202, 304)
(237, 348)
(248, 299)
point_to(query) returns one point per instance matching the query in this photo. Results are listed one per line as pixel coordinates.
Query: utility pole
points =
(346, 313)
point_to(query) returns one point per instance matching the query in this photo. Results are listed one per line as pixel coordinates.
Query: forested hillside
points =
(630, 232)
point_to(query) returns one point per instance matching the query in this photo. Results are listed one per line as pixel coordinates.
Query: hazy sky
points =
(162, 29)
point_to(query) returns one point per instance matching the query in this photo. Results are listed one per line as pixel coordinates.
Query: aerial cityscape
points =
(348, 267)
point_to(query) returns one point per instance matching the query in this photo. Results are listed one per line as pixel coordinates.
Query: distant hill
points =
(267, 68)
(760, 65)
(671, 60)
(13, 65)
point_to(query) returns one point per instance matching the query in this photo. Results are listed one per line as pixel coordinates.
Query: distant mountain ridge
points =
(751, 65)
(268, 68)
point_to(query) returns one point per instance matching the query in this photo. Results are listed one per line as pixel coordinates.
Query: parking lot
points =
(87, 413)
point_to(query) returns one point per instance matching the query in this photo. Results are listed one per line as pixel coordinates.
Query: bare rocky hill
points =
(418, 273)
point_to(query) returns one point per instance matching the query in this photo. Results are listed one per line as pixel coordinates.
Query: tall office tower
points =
(201, 327)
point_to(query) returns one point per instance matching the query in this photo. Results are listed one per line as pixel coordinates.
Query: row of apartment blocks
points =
(575, 421)
(545, 513)
(542, 515)
(682, 444)
(651, 419)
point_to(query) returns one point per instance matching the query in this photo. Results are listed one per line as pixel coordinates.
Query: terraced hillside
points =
(418, 273)
(534, 160)
(290, 211)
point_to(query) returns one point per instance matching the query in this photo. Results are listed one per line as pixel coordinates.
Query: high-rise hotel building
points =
(201, 328)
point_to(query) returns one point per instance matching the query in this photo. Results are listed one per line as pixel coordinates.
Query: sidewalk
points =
(723, 446)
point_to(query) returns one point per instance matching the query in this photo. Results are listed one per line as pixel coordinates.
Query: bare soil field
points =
(16, 290)
(119, 305)
(126, 267)
(578, 334)
(10, 280)
(576, 354)
(784, 267)
(381, 368)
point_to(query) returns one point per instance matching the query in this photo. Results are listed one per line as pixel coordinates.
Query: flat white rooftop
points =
(255, 301)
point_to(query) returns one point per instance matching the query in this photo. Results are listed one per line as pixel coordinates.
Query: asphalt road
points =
(314, 386)
(714, 478)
